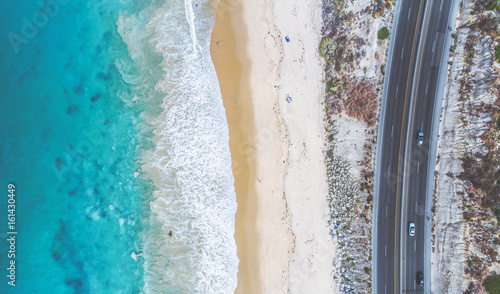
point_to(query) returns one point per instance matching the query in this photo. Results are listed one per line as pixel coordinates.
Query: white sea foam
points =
(190, 18)
(194, 198)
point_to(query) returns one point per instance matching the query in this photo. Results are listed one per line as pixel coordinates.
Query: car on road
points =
(420, 278)
(411, 229)
(420, 138)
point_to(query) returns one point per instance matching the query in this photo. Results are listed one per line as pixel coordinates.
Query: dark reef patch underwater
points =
(115, 137)
(71, 140)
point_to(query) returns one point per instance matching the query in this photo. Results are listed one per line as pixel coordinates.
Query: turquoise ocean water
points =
(114, 134)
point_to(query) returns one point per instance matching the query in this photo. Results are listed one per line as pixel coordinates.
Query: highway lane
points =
(392, 146)
(402, 165)
(418, 164)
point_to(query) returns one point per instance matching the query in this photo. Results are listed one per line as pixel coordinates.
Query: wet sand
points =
(234, 87)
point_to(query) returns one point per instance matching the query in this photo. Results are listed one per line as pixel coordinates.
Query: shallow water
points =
(98, 101)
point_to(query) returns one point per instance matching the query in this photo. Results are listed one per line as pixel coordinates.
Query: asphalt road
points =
(403, 166)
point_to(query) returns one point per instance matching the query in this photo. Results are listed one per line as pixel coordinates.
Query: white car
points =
(411, 229)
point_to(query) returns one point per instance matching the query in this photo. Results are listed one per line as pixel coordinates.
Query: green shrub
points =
(492, 284)
(493, 6)
(327, 47)
(368, 270)
(497, 214)
(383, 33)
(452, 49)
(497, 52)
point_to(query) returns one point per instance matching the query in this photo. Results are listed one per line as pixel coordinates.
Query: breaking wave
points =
(192, 248)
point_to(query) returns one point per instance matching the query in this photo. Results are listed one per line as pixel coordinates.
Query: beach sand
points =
(277, 147)
(233, 78)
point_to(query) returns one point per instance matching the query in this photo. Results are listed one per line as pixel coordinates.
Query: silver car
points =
(411, 229)
(420, 138)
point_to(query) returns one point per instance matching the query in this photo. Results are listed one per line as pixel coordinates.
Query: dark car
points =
(420, 278)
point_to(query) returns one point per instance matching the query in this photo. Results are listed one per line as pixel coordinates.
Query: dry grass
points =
(361, 102)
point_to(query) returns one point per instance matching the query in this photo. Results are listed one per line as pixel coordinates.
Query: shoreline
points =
(282, 232)
(232, 65)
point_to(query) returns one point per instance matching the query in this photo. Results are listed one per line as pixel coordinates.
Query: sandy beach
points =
(277, 147)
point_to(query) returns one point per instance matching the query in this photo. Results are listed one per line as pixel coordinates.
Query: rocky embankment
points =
(466, 212)
(355, 60)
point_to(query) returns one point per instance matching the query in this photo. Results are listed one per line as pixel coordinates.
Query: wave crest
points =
(194, 199)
